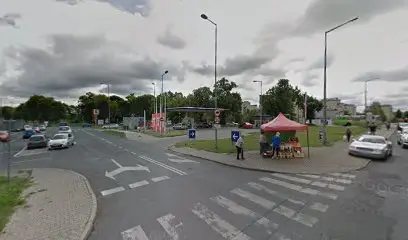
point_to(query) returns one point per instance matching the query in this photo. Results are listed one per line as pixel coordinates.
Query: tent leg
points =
(308, 145)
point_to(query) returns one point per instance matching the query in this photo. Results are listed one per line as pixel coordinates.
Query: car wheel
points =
(385, 157)
(390, 153)
(398, 142)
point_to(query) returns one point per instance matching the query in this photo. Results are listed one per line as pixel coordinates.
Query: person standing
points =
(348, 134)
(276, 142)
(263, 143)
(240, 147)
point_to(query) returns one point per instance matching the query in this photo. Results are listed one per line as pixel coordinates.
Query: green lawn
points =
(170, 133)
(10, 197)
(334, 133)
(114, 132)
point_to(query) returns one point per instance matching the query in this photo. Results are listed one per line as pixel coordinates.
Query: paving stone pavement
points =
(59, 205)
(322, 160)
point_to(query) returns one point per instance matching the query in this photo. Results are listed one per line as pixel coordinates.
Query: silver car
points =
(371, 146)
(402, 137)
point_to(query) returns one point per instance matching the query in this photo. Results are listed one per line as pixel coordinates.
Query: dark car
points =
(63, 124)
(28, 133)
(37, 141)
(86, 125)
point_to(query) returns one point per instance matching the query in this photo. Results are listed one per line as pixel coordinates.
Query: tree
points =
(228, 99)
(41, 108)
(406, 114)
(376, 109)
(313, 106)
(398, 114)
(282, 98)
(248, 115)
(7, 112)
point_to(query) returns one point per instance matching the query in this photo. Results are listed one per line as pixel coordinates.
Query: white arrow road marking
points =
(117, 171)
(135, 233)
(116, 163)
(175, 170)
(179, 159)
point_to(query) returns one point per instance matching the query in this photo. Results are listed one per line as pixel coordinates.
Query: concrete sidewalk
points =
(59, 205)
(322, 160)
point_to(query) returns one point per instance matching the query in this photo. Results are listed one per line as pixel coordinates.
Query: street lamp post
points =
(325, 77)
(109, 111)
(155, 105)
(260, 100)
(205, 17)
(365, 94)
(161, 101)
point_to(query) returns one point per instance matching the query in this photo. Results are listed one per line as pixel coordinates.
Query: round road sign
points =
(217, 113)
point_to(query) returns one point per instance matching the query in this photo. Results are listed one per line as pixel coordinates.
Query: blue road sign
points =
(191, 133)
(235, 135)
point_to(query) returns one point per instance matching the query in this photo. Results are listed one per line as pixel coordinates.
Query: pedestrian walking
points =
(263, 143)
(240, 147)
(348, 134)
(276, 142)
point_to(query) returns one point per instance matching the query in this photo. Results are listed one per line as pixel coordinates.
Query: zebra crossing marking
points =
(344, 175)
(219, 225)
(170, 225)
(329, 179)
(309, 182)
(135, 233)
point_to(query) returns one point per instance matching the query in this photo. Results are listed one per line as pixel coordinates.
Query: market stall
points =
(290, 146)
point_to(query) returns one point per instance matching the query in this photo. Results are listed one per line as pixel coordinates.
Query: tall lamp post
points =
(205, 17)
(260, 100)
(109, 110)
(155, 105)
(161, 101)
(325, 77)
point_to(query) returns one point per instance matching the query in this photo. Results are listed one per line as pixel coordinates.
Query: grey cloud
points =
(142, 7)
(310, 80)
(398, 75)
(319, 63)
(168, 39)
(73, 63)
(9, 19)
(233, 66)
(247, 85)
(297, 59)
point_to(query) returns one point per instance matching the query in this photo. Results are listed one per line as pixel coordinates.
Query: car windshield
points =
(3, 133)
(372, 140)
(36, 138)
(60, 136)
(64, 128)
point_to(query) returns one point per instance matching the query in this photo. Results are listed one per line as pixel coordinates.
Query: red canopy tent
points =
(282, 124)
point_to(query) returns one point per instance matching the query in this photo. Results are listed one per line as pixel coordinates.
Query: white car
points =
(402, 138)
(61, 140)
(64, 129)
(110, 126)
(371, 146)
(27, 127)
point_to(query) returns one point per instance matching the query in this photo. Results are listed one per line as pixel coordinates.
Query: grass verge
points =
(334, 133)
(10, 197)
(171, 133)
(117, 133)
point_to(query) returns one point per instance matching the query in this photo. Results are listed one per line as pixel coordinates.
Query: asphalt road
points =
(163, 196)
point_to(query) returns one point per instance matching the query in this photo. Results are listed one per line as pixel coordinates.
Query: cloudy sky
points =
(64, 48)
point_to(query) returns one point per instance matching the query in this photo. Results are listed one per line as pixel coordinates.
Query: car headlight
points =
(352, 147)
(379, 150)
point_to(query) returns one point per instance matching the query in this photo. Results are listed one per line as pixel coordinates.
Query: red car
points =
(247, 125)
(4, 136)
(37, 130)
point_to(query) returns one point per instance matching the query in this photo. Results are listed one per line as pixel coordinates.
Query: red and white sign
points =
(95, 112)
(217, 113)
(158, 121)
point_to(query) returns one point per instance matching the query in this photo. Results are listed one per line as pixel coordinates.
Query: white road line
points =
(133, 153)
(31, 160)
(319, 207)
(240, 210)
(171, 225)
(304, 219)
(260, 187)
(307, 181)
(116, 163)
(179, 172)
(138, 184)
(135, 233)
(19, 152)
(254, 198)
(329, 179)
(344, 175)
(225, 229)
(159, 179)
(112, 191)
(299, 188)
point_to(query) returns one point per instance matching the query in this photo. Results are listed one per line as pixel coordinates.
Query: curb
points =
(171, 148)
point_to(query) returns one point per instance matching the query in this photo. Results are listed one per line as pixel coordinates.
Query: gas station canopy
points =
(193, 109)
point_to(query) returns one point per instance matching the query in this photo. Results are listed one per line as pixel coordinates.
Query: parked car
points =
(86, 125)
(110, 126)
(401, 125)
(37, 141)
(27, 127)
(371, 146)
(4, 136)
(64, 129)
(61, 140)
(43, 128)
(203, 125)
(28, 133)
(63, 124)
(37, 129)
(179, 126)
(402, 137)
(247, 125)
